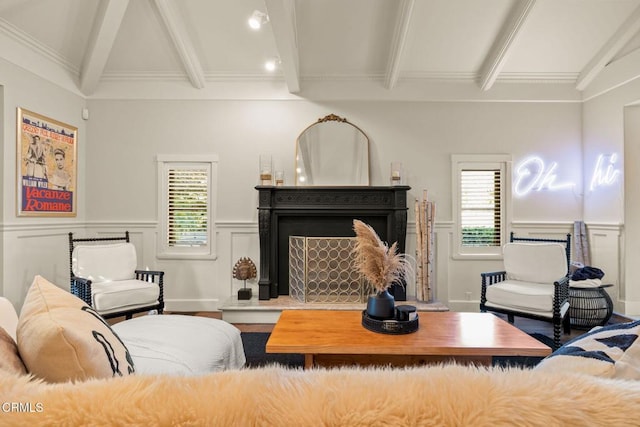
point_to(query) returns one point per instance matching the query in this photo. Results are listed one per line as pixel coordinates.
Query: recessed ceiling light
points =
(271, 64)
(258, 19)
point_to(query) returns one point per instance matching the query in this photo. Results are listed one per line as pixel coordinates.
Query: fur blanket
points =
(275, 396)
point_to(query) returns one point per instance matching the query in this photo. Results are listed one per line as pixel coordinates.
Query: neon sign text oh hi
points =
(605, 172)
(533, 174)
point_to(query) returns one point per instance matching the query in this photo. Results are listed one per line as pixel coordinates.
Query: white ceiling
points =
(98, 45)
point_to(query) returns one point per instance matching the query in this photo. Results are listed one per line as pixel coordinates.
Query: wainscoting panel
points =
(189, 285)
(605, 244)
(204, 285)
(35, 250)
(244, 243)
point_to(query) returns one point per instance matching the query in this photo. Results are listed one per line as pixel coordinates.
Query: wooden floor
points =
(531, 326)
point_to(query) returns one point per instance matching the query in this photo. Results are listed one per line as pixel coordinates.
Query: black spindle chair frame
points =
(81, 287)
(560, 294)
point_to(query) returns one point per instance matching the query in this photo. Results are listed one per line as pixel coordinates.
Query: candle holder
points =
(397, 173)
(279, 178)
(266, 170)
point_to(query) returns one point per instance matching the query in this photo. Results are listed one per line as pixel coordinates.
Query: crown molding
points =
(558, 77)
(338, 88)
(38, 47)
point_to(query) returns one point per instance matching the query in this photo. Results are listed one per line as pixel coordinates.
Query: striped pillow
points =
(611, 351)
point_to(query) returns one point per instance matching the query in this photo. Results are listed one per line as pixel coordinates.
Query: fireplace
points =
(322, 270)
(323, 212)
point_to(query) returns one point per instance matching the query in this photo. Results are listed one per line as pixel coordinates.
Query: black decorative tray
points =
(392, 326)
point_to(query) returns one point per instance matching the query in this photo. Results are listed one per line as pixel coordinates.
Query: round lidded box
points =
(390, 326)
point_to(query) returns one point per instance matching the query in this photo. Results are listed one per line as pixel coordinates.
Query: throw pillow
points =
(60, 338)
(9, 357)
(611, 351)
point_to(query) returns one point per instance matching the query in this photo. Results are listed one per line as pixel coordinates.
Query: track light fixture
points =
(258, 19)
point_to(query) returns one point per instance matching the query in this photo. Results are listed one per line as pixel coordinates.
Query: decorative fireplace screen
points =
(321, 270)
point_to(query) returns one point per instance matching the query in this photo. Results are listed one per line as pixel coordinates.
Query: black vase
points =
(381, 306)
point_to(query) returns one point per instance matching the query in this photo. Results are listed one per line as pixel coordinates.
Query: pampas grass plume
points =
(380, 264)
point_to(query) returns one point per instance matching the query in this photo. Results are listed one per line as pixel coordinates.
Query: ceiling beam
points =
(396, 54)
(619, 39)
(103, 34)
(181, 42)
(282, 18)
(501, 48)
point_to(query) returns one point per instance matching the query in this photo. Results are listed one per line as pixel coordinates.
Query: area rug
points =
(543, 339)
(255, 343)
(254, 351)
(524, 361)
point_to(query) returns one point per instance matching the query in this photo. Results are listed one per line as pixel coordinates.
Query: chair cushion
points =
(10, 360)
(123, 294)
(535, 262)
(61, 339)
(520, 295)
(178, 344)
(584, 284)
(611, 351)
(104, 263)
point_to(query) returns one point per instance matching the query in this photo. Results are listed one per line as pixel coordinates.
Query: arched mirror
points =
(332, 152)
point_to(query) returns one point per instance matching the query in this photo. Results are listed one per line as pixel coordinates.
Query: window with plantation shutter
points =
(187, 199)
(480, 214)
(480, 203)
(186, 206)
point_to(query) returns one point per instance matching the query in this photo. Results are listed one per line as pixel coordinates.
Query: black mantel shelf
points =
(323, 212)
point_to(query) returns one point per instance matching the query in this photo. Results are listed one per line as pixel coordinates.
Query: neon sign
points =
(534, 175)
(604, 175)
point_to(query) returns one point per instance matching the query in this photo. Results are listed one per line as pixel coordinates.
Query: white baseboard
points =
(243, 316)
(192, 304)
(630, 308)
(464, 306)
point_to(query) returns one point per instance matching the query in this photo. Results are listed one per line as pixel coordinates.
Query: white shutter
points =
(187, 207)
(187, 187)
(480, 207)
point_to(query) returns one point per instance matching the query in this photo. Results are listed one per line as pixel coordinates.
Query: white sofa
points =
(179, 344)
(577, 387)
(157, 344)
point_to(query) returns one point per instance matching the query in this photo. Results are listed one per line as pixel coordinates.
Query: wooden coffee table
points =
(331, 338)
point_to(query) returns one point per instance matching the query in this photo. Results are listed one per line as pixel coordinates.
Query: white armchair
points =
(104, 275)
(534, 284)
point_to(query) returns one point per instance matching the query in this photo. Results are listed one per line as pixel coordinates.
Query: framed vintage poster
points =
(47, 166)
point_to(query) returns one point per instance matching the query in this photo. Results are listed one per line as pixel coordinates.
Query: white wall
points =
(126, 135)
(117, 176)
(34, 245)
(610, 124)
(632, 208)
